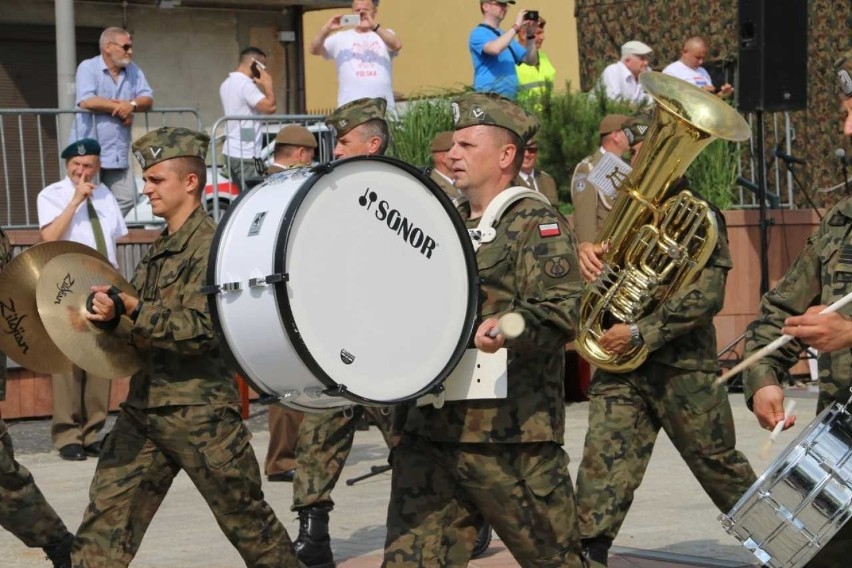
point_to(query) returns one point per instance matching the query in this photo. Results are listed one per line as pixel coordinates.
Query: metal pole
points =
(763, 224)
(66, 67)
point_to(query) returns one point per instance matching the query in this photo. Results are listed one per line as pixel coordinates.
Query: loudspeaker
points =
(772, 73)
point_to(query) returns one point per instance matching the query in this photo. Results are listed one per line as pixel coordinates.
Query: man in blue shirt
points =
(112, 88)
(496, 53)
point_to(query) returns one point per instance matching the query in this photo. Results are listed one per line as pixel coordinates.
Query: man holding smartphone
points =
(363, 54)
(496, 53)
(246, 92)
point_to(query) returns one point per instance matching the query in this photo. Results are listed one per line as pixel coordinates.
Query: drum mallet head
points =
(767, 446)
(509, 325)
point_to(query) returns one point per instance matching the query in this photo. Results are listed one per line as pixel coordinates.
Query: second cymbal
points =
(62, 292)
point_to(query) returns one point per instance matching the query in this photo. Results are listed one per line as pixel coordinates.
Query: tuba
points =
(656, 245)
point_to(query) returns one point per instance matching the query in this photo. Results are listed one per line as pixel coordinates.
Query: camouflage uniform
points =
(23, 509)
(182, 411)
(676, 390)
(498, 459)
(821, 274)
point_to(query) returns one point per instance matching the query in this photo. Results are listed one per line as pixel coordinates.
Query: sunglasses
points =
(126, 47)
(531, 149)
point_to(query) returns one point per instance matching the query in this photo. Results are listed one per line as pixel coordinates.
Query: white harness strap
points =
(484, 232)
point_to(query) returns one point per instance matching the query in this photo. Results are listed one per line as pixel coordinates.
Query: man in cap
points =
(620, 80)
(441, 172)
(592, 204)
(294, 148)
(538, 180)
(364, 55)
(182, 412)
(817, 278)
(24, 511)
(325, 438)
(496, 53)
(80, 209)
(688, 68)
(501, 459)
(112, 88)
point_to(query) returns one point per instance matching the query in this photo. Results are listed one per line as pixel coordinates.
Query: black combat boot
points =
(483, 539)
(60, 552)
(597, 549)
(313, 547)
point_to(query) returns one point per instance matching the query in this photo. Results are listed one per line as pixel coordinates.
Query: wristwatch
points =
(635, 337)
(133, 104)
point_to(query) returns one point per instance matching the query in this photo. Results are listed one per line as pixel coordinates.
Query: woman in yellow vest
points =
(533, 79)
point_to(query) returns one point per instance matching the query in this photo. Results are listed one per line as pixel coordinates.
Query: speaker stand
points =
(763, 224)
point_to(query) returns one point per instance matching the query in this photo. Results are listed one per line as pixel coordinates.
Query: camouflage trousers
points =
(140, 458)
(626, 411)
(441, 492)
(23, 509)
(325, 440)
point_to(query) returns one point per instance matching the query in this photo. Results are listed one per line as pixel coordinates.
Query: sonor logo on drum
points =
(399, 223)
(64, 287)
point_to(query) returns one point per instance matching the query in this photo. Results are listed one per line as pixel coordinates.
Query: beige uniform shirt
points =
(591, 206)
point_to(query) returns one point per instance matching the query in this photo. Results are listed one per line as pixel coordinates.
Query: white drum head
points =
(381, 285)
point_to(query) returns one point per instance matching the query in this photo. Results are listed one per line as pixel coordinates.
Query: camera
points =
(350, 20)
(531, 15)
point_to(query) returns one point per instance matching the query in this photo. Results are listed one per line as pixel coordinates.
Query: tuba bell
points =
(656, 245)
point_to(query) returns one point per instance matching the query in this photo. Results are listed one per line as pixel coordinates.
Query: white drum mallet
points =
(767, 446)
(509, 325)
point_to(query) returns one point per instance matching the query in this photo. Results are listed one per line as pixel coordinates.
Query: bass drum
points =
(353, 282)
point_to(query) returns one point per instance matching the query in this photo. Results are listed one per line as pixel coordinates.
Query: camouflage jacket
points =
(821, 274)
(173, 330)
(538, 277)
(5, 257)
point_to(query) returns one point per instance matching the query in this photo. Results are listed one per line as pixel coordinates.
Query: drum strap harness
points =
(485, 232)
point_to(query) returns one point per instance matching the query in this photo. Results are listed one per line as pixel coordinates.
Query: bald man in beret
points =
(497, 459)
(183, 409)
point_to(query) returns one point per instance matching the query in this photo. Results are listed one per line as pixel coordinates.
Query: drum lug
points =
(339, 390)
(210, 290)
(271, 279)
(325, 168)
(231, 287)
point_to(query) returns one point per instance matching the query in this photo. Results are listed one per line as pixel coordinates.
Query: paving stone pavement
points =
(672, 522)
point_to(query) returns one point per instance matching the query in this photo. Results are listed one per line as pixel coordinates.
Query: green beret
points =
(355, 113)
(84, 147)
(492, 109)
(843, 68)
(169, 142)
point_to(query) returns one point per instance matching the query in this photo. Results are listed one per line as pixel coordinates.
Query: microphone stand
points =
(798, 182)
(763, 224)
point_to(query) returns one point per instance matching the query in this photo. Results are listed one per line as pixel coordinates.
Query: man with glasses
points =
(621, 79)
(538, 180)
(496, 53)
(112, 88)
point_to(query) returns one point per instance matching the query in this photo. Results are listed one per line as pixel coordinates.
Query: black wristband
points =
(118, 306)
(375, 29)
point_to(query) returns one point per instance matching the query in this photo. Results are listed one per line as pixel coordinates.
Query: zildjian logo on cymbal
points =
(64, 288)
(14, 324)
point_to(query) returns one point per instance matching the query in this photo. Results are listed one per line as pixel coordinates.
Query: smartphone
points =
(531, 15)
(350, 20)
(256, 68)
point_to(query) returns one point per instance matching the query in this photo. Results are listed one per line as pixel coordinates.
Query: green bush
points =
(714, 173)
(413, 129)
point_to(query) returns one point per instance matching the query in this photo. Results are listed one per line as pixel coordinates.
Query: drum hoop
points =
(283, 300)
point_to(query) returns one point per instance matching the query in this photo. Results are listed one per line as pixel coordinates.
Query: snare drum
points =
(802, 499)
(354, 282)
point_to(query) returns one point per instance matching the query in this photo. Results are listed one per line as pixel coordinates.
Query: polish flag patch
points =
(549, 230)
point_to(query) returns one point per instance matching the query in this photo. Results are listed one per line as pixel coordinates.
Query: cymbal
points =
(22, 334)
(63, 289)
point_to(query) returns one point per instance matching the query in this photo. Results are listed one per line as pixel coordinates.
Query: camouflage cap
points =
(296, 135)
(83, 147)
(355, 113)
(169, 142)
(843, 68)
(636, 127)
(473, 109)
(442, 142)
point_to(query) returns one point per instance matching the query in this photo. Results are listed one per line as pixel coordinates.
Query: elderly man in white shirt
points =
(689, 69)
(621, 79)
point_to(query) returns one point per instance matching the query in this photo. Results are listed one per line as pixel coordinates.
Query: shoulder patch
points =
(557, 267)
(549, 230)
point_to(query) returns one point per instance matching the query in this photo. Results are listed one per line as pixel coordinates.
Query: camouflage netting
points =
(604, 26)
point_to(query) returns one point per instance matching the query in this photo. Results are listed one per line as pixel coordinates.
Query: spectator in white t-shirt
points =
(689, 68)
(246, 92)
(363, 54)
(621, 79)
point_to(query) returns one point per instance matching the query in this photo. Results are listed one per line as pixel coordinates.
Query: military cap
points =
(296, 135)
(843, 68)
(613, 122)
(442, 142)
(473, 109)
(637, 127)
(169, 142)
(355, 113)
(498, 1)
(83, 147)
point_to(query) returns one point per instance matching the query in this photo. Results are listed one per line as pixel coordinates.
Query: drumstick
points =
(778, 343)
(767, 446)
(510, 325)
